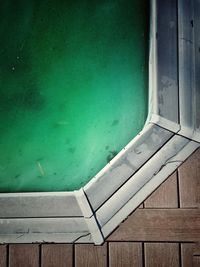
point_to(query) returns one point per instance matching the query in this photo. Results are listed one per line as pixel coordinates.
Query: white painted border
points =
(170, 135)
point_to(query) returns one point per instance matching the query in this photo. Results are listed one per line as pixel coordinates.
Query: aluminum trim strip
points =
(165, 123)
(37, 229)
(89, 216)
(125, 164)
(164, 65)
(197, 62)
(143, 176)
(149, 187)
(39, 205)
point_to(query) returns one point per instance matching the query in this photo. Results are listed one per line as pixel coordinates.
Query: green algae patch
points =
(73, 89)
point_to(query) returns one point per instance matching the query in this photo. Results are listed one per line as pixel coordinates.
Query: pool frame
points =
(170, 134)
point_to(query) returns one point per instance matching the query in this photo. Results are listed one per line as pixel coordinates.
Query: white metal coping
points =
(170, 135)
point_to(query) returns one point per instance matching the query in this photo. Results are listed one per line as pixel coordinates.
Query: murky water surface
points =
(73, 88)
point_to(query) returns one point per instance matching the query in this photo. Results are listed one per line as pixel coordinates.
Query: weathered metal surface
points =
(42, 230)
(39, 205)
(197, 63)
(165, 65)
(140, 179)
(151, 180)
(189, 64)
(134, 155)
(186, 66)
(90, 218)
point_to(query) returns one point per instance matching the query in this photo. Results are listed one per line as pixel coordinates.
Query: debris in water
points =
(41, 170)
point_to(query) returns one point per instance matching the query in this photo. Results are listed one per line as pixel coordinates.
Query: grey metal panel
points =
(33, 229)
(39, 205)
(42, 225)
(142, 177)
(90, 219)
(127, 162)
(186, 65)
(166, 68)
(197, 60)
(47, 238)
(152, 107)
(149, 187)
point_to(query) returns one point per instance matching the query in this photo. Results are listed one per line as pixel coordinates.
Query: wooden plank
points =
(3, 256)
(57, 255)
(161, 255)
(160, 225)
(189, 183)
(165, 196)
(190, 255)
(196, 261)
(24, 255)
(197, 249)
(187, 254)
(90, 255)
(125, 254)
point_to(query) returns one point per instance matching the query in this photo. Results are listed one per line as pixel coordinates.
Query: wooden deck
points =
(163, 231)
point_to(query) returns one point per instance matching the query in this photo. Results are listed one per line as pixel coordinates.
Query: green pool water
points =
(73, 88)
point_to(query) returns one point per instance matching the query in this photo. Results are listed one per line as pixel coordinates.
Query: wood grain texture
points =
(187, 254)
(57, 255)
(197, 249)
(166, 196)
(196, 261)
(25, 255)
(161, 255)
(3, 256)
(125, 254)
(189, 182)
(160, 225)
(90, 255)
